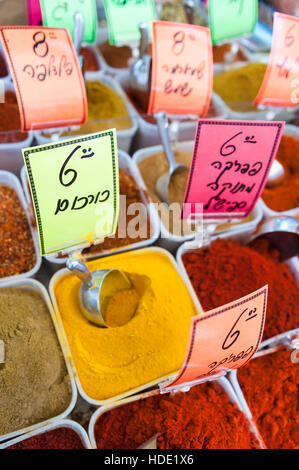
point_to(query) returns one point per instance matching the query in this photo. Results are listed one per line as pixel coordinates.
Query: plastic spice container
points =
(11, 158)
(124, 136)
(37, 287)
(127, 165)
(222, 382)
(241, 236)
(10, 180)
(61, 424)
(292, 131)
(276, 423)
(266, 113)
(169, 240)
(164, 279)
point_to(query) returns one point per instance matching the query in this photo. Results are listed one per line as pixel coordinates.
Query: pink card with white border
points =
(230, 165)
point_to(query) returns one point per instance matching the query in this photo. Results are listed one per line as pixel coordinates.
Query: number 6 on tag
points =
(224, 338)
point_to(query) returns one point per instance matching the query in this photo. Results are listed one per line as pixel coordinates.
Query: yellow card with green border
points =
(75, 190)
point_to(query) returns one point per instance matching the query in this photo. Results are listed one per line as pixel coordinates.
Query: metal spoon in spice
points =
(96, 291)
(170, 187)
(140, 75)
(78, 36)
(283, 233)
(276, 174)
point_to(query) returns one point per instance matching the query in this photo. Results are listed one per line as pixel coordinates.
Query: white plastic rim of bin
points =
(31, 284)
(223, 382)
(58, 275)
(126, 164)
(9, 179)
(64, 423)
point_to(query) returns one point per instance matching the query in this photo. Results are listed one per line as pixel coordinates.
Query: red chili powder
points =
(271, 387)
(202, 418)
(90, 60)
(228, 271)
(60, 438)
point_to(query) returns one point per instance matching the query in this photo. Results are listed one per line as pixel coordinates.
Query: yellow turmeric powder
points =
(239, 87)
(121, 307)
(113, 361)
(106, 109)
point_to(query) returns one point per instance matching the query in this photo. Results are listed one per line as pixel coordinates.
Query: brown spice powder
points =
(34, 382)
(17, 254)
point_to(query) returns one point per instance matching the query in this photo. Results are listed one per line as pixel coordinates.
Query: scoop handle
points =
(80, 270)
(143, 39)
(163, 126)
(78, 30)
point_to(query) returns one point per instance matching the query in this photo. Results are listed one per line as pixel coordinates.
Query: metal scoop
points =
(78, 35)
(189, 10)
(140, 71)
(97, 288)
(283, 233)
(164, 181)
(276, 174)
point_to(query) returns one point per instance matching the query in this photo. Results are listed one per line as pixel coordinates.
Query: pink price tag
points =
(224, 338)
(281, 83)
(230, 164)
(182, 69)
(34, 14)
(47, 76)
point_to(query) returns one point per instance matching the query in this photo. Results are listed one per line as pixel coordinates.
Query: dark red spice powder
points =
(60, 438)
(202, 418)
(227, 271)
(90, 60)
(10, 120)
(271, 388)
(3, 67)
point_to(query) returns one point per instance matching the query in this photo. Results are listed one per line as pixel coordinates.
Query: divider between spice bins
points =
(124, 136)
(292, 131)
(222, 382)
(241, 236)
(141, 390)
(36, 286)
(266, 113)
(9, 179)
(169, 240)
(127, 165)
(63, 423)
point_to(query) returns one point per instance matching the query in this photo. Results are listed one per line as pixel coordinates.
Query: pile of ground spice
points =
(34, 382)
(227, 271)
(106, 109)
(270, 386)
(285, 196)
(128, 188)
(17, 253)
(10, 120)
(90, 60)
(239, 87)
(116, 56)
(3, 67)
(60, 438)
(202, 418)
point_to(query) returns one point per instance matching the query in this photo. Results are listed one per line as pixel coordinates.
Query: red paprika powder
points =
(270, 386)
(90, 60)
(202, 418)
(60, 438)
(3, 67)
(227, 271)
(10, 120)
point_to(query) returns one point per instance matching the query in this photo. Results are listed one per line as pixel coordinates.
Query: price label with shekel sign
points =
(230, 18)
(182, 69)
(230, 165)
(281, 83)
(222, 339)
(124, 16)
(47, 76)
(61, 14)
(75, 190)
